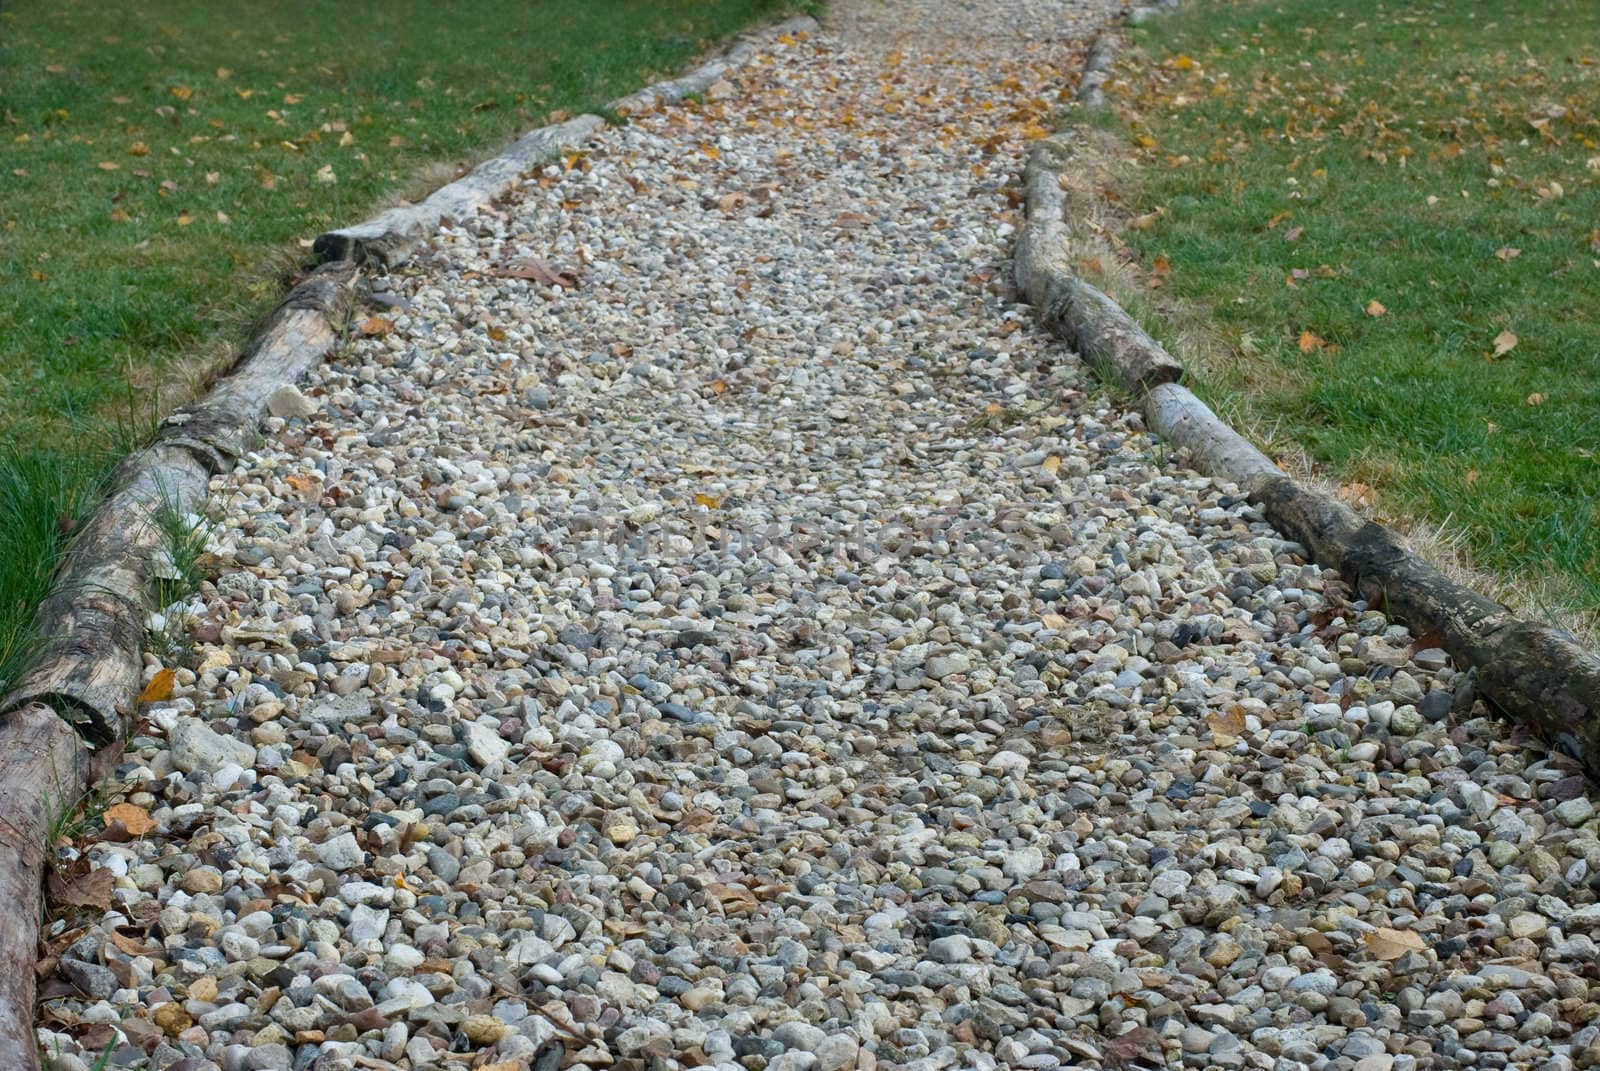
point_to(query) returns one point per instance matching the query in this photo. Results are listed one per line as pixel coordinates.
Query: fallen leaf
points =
(1504, 343)
(1375, 308)
(138, 148)
(732, 202)
(181, 92)
(1535, 398)
(159, 688)
(1293, 234)
(134, 820)
(108, 165)
(118, 215)
(1472, 477)
(93, 889)
(132, 946)
(1181, 62)
(1226, 726)
(1146, 221)
(1358, 495)
(1051, 464)
(711, 151)
(1508, 252)
(1309, 342)
(708, 501)
(540, 271)
(374, 325)
(1160, 265)
(850, 221)
(717, 386)
(1385, 943)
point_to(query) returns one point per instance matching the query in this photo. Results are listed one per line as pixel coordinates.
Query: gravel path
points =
(773, 652)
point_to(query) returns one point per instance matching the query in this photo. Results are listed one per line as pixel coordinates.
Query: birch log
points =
(388, 238)
(43, 770)
(92, 624)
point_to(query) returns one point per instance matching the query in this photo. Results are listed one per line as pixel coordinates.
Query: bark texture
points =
(388, 238)
(92, 624)
(43, 770)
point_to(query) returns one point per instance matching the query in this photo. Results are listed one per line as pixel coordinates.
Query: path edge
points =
(1535, 675)
(74, 703)
(388, 239)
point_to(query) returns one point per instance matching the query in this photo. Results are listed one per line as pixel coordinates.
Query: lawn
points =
(164, 166)
(1389, 213)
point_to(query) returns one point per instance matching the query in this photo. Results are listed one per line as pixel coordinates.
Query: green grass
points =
(158, 160)
(1388, 151)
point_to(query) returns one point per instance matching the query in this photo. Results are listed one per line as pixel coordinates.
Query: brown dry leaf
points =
(711, 151)
(1160, 265)
(1508, 252)
(717, 386)
(1051, 464)
(1504, 343)
(1375, 308)
(1385, 943)
(732, 202)
(496, 334)
(93, 889)
(109, 165)
(159, 688)
(375, 325)
(136, 820)
(1535, 398)
(540, 271)
(850, 221)
(181, 92)
(1472, 477)
(1146, 221)
(1310, 342)
(1226, 726)
(119, 215)
(1293, 234)
(1358, 495)
(131, 945)
(184, 219)
(138, 148)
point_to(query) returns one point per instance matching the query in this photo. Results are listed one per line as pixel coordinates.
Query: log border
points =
(80, 694)
(387, 239)
(1535, 675)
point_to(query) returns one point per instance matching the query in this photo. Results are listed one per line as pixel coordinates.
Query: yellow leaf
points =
(138, 148)
(1051, 464)
(1375, 308)
(184, 219)
(711, 151)
(374, 325)
(1145, 141)
(159, 688)
(497, 334)
(136, 820)
(1182, 63)
(717, 386)
(1310, 342)
(1472, 477)
(1504, 343)
(1385, 943)
(708, 501)
(181, 92)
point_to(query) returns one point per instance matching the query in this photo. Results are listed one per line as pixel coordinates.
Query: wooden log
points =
(92, 623)
(43, 770)
(1096, 326)
(709, 73)
(1174, 413)
(1534, 675)
(1096, 67)
(388, 238)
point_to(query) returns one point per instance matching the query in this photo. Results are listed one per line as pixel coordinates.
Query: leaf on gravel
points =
(133, 820)
(540, 271)
(84, 890)
(732, 202)
(374, 325)
(1375, 308)
(159, 688)
(850, 221)
(1385, 943)
(1504, 343)
(131, 945)
(1051, 464)
(1226, 726)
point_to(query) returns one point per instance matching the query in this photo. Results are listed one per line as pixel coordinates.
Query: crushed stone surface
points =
(702, 622)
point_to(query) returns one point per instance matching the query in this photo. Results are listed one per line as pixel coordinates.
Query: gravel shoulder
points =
(706, 624)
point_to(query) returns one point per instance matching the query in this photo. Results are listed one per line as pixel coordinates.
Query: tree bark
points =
(92, 624)
(388, 238)
(43, 771)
